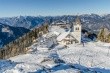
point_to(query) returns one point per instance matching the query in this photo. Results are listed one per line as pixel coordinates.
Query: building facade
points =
(72, 36)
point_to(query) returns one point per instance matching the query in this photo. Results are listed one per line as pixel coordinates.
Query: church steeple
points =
(77, 30)
(77, 21)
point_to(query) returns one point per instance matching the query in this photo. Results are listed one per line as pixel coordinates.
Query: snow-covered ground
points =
(93, 57)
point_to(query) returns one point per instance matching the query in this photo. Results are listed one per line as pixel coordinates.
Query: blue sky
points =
(9, 8)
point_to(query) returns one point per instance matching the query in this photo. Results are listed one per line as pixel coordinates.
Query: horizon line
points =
(56, 15)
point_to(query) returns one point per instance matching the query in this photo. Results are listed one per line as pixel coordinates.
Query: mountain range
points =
(9, 33)
(14, 27)
(90, 21)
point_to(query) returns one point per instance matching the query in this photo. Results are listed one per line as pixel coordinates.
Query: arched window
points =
(77, 28)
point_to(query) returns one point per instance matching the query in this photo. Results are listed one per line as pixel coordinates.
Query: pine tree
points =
(101, 35)
(108, 38)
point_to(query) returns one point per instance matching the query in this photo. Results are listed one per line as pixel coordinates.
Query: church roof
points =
(62, 36)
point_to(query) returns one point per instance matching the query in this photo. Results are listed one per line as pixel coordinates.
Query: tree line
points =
(19, 46)
(104, 35)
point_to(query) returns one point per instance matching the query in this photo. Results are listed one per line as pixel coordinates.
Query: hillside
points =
(93, 57)
(9, 33)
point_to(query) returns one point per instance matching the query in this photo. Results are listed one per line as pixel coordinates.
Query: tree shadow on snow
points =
(6, 64)
(77, 67)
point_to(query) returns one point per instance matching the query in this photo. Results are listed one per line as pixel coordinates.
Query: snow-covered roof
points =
(62, 36)
(52, 34)
(42, 49)
(56, 33)
(61, 23)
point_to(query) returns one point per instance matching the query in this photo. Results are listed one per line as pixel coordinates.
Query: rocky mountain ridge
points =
(89, 21)
(9, 33)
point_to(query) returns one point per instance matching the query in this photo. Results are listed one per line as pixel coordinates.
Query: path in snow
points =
(73, 59)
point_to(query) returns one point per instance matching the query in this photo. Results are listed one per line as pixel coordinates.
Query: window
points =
(77, 28)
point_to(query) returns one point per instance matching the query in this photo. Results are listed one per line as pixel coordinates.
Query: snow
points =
(89, 56)
(42, 49)
(93, 57)
(57, 29)
(56, 33)
(5, 30)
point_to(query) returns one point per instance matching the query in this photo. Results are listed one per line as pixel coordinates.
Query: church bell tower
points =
(77, 30)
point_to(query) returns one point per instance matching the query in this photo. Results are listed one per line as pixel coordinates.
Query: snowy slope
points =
(75, 58)
(94, 57)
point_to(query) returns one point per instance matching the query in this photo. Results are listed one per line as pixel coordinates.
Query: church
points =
(73, 35)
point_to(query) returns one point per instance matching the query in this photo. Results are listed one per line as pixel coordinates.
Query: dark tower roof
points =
(77, 21)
